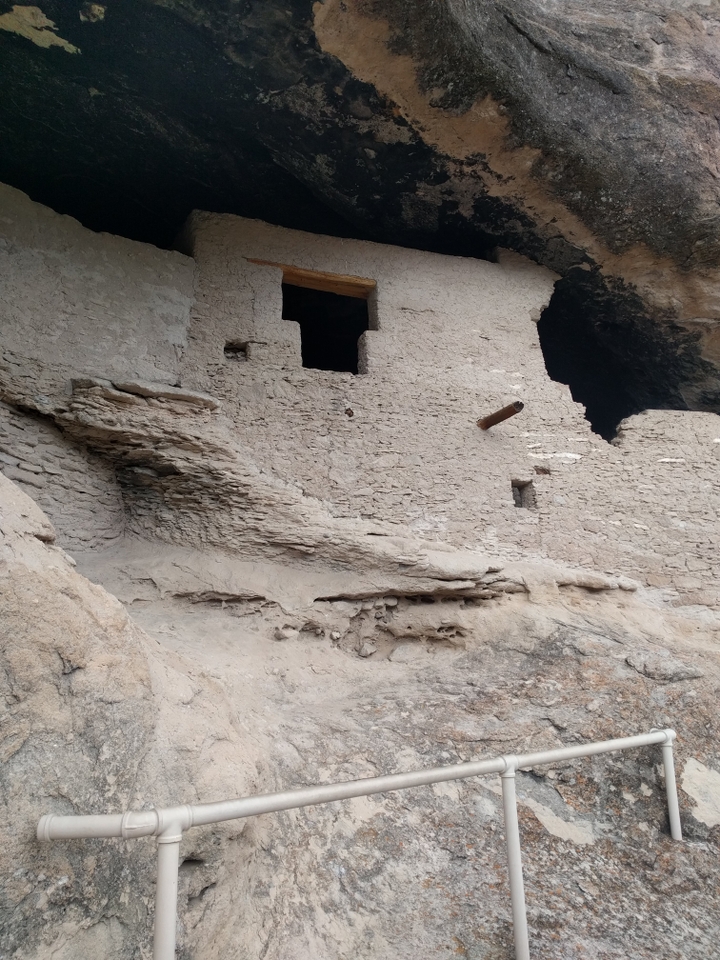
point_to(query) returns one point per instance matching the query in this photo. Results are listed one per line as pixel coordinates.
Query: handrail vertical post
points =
(512, 840)
(671, 787)
(166, 898)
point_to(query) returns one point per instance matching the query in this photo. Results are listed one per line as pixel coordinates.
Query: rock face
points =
(95, 715)
(267, 592)
(99, 717)
(578, 135)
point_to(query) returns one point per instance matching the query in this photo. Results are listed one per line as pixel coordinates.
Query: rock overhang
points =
(582, 141)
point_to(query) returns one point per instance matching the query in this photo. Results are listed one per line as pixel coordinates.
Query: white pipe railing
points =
(169, 824)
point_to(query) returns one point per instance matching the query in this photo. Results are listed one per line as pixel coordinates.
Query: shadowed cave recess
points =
(599, 341)
(615, 359)
(209, 121)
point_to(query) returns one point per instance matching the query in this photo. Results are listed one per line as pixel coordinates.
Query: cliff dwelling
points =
(359, 406)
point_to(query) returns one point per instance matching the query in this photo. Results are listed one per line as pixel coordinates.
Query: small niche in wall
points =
(523, 492)
(236, 350)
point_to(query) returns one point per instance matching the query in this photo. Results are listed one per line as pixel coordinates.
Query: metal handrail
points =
(169, 824)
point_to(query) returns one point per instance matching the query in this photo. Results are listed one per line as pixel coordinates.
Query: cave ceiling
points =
(585, 136)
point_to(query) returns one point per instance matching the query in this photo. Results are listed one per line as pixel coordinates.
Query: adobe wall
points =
(77, 490)
(74, 303)
(76, 300)
(454, 339)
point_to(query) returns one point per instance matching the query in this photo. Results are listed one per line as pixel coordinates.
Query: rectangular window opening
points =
(330, 326)
(332, 311)
(523, 492)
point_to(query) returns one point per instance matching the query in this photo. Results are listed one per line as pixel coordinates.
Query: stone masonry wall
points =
(453, 339)
(411, 452)
(78, 490)
(75, 304)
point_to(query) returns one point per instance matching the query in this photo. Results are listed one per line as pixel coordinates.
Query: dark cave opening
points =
(330, 326)
(616, 359)
(575, 356)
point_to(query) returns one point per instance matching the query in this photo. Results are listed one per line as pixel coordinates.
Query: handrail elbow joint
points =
(670, 735)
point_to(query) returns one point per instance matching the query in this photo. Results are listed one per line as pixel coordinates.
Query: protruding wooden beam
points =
(345, 286)
(512, 408)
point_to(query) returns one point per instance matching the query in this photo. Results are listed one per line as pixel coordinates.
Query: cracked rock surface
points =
(187, 692)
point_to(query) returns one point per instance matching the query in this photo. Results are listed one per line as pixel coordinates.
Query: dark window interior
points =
(330, 326)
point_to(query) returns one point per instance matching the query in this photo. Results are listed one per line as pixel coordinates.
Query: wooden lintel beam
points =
(346, 286)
